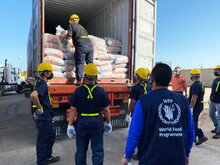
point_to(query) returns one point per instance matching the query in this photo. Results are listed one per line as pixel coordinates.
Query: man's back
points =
(164, 138)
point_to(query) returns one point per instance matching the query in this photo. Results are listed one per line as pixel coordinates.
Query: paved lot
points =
(18, 136)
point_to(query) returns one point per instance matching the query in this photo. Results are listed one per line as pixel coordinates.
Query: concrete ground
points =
(18, 136)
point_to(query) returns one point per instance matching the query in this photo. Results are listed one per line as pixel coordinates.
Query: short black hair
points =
(162, 74)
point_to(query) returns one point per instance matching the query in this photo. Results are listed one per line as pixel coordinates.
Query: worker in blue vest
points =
(214, 103)
(141, 87)
(89, 101)
(162, 124)
(196, 94)
(42, 114)
(81, 41)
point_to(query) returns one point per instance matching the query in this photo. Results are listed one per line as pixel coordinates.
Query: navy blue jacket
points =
(162, 128)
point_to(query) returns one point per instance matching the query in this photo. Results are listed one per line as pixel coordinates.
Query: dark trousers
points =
(82, 143)
(45, 139)
(83, 53)
(198, 131)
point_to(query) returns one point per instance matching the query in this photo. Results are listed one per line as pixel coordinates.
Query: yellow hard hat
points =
(74, 16)
(44, 66)
(91, 70)
(195, 71)
(142, 72)
(148, 71)
(217, 67)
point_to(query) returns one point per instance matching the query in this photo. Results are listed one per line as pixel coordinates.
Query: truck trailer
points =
(133, 22)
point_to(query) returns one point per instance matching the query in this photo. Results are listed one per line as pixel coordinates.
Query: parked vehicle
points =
(133, 22)
(10, 79)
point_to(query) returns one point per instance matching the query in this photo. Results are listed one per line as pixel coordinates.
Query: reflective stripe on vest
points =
(84, 37)
(91, 114)
(90, 96)
(145, 87)
(216, 89)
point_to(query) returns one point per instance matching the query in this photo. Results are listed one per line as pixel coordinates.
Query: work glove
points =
(70, 131)
(39, 111)
(108, 127)
(128, 118)
(191, 109)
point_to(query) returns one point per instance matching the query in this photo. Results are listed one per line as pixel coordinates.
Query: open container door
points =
(145, 33)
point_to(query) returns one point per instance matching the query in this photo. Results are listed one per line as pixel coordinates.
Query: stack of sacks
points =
(119, 67)
(51, 41)
(113, 45)
(69, 50)
(53, 54)
(102, 60)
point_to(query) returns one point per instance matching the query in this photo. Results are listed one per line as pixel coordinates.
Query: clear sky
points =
(188, 32)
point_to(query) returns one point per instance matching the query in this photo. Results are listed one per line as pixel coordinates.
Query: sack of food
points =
(51, 38)
(120, 70)
(58, 74)
(115, 50)
(69, 55)
(53, 60)
(53, 52)
(121, 59)
(112, 42)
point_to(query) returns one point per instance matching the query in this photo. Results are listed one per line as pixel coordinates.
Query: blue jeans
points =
(83, 53)
(45, 139)
(213, 109)
(82, 143)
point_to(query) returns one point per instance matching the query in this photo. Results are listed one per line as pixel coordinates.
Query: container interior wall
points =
(102, 18)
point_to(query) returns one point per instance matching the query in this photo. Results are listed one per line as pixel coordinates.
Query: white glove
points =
(191, 109)
(39, 111)
(108, 127)
(70, 131)
(128, 118)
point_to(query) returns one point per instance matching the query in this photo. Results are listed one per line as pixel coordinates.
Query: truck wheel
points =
(20, 89)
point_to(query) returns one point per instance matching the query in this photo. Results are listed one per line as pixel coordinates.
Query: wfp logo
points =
(169, 112)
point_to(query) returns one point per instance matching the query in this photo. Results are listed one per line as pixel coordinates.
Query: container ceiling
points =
(57, 12)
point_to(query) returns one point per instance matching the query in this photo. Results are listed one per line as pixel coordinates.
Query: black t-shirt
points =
(42, 89)
(215, 95)
(79, 100)
(79, 34)
(138, 90)
(197, 89)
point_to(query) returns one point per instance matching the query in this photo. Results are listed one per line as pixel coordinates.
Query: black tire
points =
(20, 89)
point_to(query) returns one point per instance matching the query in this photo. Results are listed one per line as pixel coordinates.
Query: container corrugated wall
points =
(112, 21)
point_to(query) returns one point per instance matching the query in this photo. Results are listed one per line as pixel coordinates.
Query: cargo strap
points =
(90, 114)
(90, 96)
(145, 87)
(216, 89)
